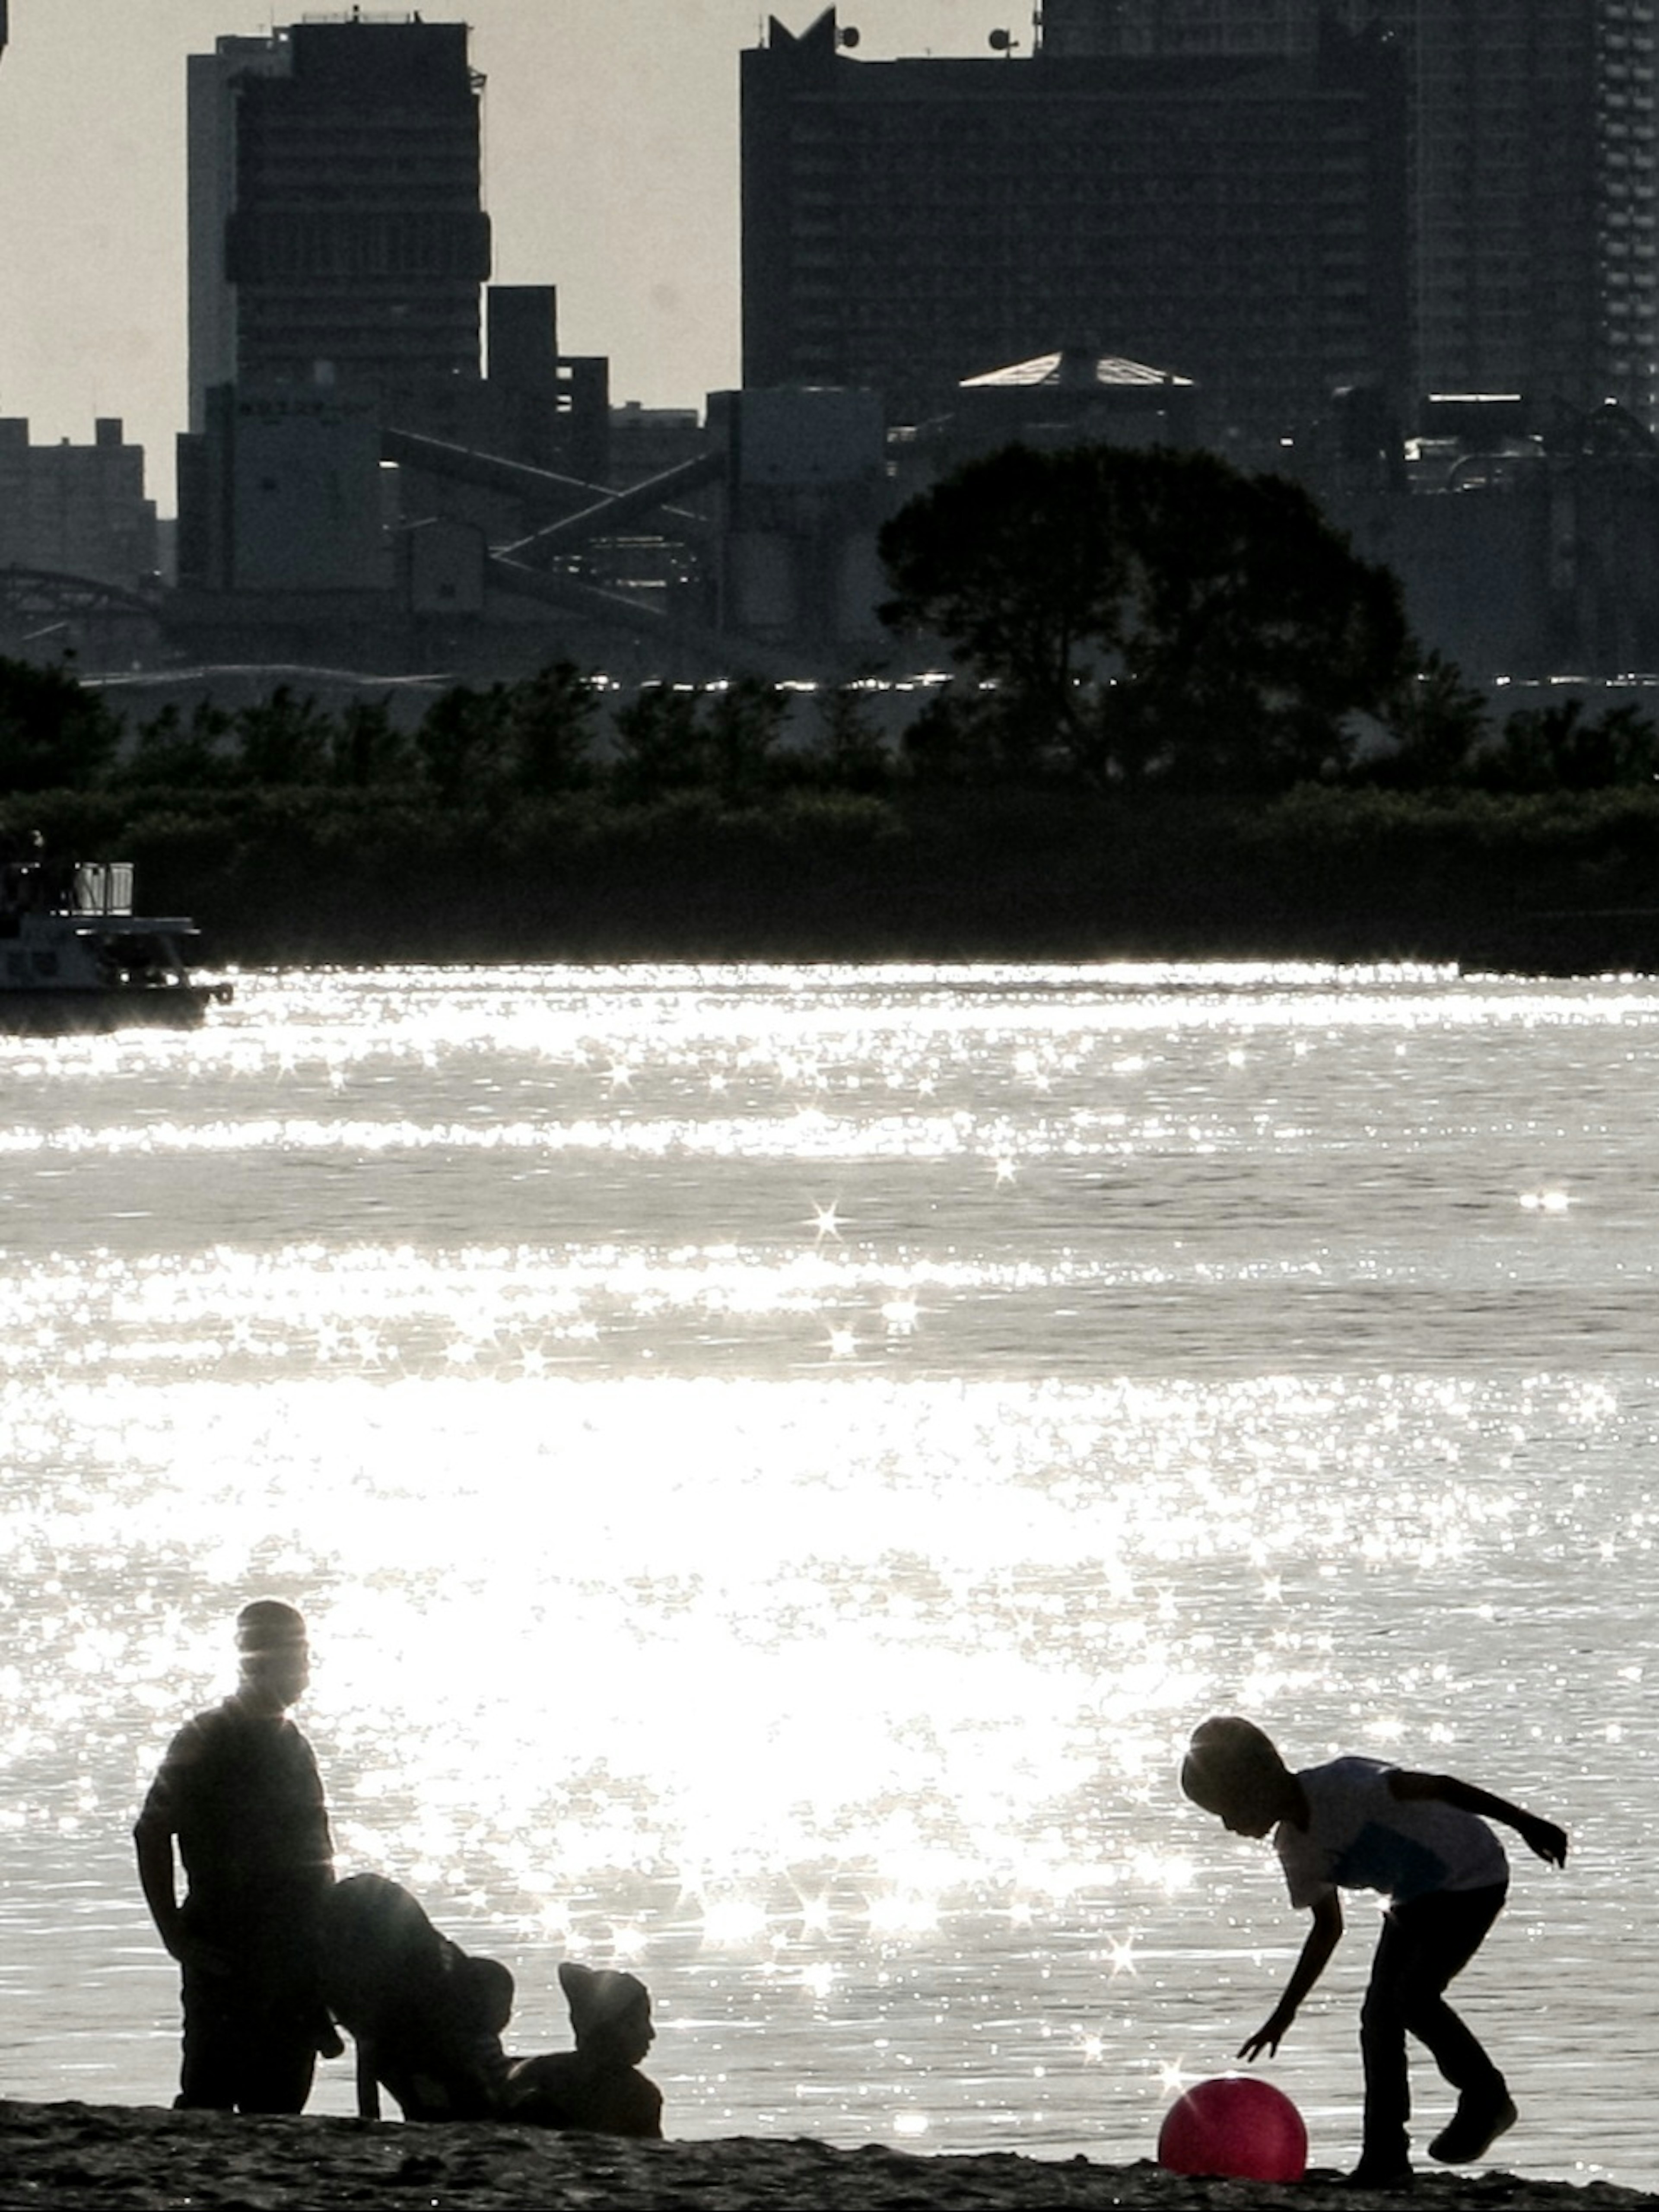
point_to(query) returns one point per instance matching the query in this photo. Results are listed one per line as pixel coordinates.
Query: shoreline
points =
(1557, 885)
(143, 2158)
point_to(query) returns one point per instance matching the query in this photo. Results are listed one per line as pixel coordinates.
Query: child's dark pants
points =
(1425, 1943)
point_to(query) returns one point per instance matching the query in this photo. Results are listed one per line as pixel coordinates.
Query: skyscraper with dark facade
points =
(337, 225)
(1534, 171)
(1535, 195)
(1237, 219)
(1182, 27)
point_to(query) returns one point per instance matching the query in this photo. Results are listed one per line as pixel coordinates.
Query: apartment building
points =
(1534, 173)
(1239, 219)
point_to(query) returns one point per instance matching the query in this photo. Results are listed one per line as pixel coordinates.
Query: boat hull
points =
(84, 1013)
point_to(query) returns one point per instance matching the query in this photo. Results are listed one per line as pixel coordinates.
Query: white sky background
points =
(610, 170)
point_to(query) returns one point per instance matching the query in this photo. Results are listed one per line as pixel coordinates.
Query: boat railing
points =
(102, 887)
(73, 887)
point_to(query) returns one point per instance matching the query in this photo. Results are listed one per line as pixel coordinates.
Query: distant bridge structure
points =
(41, 599)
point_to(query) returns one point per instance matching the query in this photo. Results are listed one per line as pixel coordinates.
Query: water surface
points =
(778, 1459)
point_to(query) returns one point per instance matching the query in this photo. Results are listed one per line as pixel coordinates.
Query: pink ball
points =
(1237, 2127)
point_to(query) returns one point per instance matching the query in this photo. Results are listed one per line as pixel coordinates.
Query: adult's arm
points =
(153, 1844)
(1323, 1935)
(1541, 1837)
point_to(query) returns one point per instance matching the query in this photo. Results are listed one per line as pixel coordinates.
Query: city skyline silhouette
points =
(611, 171)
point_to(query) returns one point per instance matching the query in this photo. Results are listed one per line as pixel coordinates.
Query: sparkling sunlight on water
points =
(776, 1462)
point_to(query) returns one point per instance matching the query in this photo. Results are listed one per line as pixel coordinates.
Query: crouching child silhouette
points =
(598, 2086)
(1421, 1840)
(426, 2018)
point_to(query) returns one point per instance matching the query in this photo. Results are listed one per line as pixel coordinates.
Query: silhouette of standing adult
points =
(240, 1791)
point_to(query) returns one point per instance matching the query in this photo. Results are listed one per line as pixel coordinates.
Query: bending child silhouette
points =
(598, 2086)
(1422, 1840)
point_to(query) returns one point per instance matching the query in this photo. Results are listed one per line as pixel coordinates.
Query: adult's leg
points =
(243, 2052)
(209, 2064)
(279, 2058)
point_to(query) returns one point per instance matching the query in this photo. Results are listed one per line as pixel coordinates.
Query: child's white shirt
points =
(1360, 1836)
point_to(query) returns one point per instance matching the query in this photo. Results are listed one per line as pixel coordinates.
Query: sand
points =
(81, 2156)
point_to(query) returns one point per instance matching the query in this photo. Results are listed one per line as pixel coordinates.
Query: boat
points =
(75, 959)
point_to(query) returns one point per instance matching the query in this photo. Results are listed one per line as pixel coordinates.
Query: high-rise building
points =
(212, 85)
(1534, 173)
(1534, 194)
(1238, 220)
(78, 510)
(337, 230)
(1181, 26)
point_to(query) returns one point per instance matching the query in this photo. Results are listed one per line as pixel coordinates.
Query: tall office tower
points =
(1239, 221)
(1181, 26)
(337, 228)
(1534, 173)
(212, 84)
(1534, 191)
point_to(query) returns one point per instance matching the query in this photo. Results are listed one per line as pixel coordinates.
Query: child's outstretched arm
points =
(1321, 1940)
(1541, 1837)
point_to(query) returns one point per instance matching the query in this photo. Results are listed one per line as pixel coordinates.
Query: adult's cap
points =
(268, 1625)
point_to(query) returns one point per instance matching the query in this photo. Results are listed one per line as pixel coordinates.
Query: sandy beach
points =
(74, 2156)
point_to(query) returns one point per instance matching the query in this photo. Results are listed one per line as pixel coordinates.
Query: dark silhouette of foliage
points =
(367, 750)
(462, 743)
(55, 735)
(472, 747)
(742, 724)
(658, 743)
(283, 739)
(847, 752)
(548, 741)
(171, 752)
(1564, 747)
(721, 739)
(1012, 560)
(1439, 722)
(956, 738)
(1149, 613)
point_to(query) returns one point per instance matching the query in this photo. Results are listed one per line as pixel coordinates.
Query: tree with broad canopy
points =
(1148, 613)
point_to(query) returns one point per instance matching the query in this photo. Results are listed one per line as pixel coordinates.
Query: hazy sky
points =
(610, 170)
